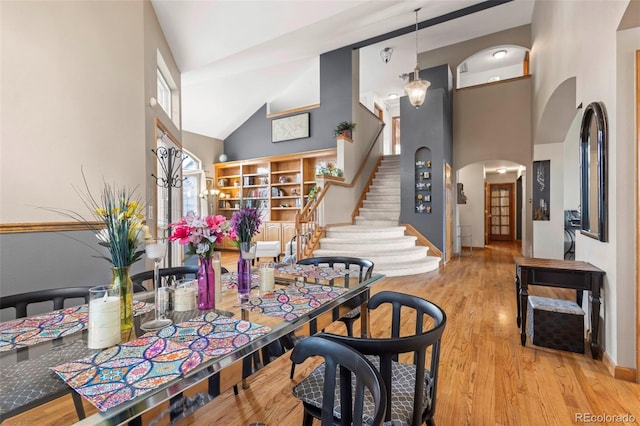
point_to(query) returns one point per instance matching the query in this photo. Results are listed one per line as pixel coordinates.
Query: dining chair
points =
(57, 296)
(411, 387)
(345, 375)
(174, 274)
(364, 268)
(171, 274)
(38, 385)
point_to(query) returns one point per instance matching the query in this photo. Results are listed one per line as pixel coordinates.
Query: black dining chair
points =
(345, 375)
(32, 384)
(411, 387)
(170, 274)
(364, 268)
(56, 296)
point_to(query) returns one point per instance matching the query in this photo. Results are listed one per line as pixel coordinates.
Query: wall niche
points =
(423, 180)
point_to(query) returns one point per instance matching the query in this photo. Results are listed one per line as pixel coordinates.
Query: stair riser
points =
(381, 205)
(378, 258)
(373, 234)
(389, 198)
(384, 184)
(382, 191)
(379, 215)
(364, 246)
(375, 222)
(418, 269)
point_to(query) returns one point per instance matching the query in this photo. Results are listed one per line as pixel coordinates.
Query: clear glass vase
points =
(121, 279)
(247, 254)
(206, 284)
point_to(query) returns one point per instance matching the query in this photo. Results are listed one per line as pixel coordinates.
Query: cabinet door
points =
(288, 231)
(272, 231)
(260, 236)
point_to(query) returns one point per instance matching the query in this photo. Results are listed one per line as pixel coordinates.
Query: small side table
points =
(464, 235)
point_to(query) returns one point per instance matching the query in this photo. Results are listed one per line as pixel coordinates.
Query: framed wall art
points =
(289, 128)
(541, 192)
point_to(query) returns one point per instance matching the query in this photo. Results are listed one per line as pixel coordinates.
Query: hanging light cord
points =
(416, 11)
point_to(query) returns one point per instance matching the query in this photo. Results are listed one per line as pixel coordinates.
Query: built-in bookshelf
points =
(278, 185)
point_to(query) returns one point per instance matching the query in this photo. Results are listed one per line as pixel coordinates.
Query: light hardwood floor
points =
(486, 376)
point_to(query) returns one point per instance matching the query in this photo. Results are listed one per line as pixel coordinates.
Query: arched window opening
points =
(497, 63)
(192, 184)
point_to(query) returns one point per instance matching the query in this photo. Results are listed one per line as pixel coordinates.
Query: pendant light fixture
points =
(417, 89)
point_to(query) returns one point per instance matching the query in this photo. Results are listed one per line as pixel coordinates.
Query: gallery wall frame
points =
(541, 189)
(290, 128)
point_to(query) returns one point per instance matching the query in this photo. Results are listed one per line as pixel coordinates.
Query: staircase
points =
(376, 234)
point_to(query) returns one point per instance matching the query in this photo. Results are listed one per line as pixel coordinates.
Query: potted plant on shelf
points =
(344, 128)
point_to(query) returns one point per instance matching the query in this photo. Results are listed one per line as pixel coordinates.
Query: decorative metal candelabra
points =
(170, 160)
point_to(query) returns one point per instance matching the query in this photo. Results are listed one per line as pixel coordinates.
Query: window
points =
(191, 185)
(164, 93)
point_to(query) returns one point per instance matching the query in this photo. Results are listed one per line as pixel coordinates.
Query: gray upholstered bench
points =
(555, 323)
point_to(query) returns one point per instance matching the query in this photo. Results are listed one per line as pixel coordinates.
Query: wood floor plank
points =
(486, 376)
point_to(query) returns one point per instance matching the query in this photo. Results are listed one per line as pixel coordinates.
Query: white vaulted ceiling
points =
(236, 55)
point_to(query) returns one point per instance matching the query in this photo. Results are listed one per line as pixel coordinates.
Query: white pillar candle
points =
(185, 298)
(267, 276)
(104, 322)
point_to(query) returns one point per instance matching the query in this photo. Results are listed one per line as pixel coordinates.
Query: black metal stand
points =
(170, 160)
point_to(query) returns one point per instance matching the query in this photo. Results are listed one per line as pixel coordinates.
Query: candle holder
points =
(156, 249)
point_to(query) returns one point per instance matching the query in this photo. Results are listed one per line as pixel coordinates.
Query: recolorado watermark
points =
(604, 418)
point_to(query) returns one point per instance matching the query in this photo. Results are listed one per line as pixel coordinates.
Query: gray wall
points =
(34, 261)
(428, 126)
(253, 138)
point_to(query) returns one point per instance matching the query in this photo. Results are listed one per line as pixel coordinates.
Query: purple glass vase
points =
(247, 253)
(206, 284)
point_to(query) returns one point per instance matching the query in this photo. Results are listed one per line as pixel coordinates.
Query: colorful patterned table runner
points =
(230, 280)
(292, 302)
(313, 272)
(214, 335)
(121, 373)
(23, 332)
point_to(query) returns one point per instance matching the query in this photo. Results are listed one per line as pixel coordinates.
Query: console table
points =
(559, 273)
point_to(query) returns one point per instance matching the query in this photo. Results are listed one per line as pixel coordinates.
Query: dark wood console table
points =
(558, 273)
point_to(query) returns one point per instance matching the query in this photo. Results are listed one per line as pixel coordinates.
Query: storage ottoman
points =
(557, 324)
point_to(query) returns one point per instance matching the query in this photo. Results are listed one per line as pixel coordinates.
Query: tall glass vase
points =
(121, 279)
(206, 284)
(247, 254)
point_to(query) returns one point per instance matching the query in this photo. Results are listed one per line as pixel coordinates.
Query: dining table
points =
(48, 352)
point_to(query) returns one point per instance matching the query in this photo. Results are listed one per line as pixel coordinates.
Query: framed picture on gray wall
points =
(289, 128)
(541, 192)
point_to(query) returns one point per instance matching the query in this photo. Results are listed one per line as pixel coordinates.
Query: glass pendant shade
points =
(417, 89)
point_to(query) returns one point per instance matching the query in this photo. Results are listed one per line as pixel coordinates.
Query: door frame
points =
(638, 216)
(511, 209)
